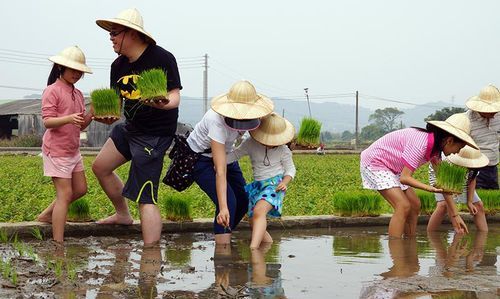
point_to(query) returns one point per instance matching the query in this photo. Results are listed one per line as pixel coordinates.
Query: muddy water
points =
(323, 263)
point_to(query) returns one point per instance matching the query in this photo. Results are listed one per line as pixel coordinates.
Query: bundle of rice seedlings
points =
(79, 211)
(357, 203)
(309, 132)
(177, 208)
(106, 103)
(450, 177)
(427, 202)
(153, 86)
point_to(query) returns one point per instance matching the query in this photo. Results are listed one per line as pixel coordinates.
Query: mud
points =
(320, 263)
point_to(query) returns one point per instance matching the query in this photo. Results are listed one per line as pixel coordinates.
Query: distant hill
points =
(334, 117)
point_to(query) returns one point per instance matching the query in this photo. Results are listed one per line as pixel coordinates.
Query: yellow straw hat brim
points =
(261, 107)
(454, 131)
(107, 24)
(467, 162)
(264, 136)
(70, 64)
(477, 104)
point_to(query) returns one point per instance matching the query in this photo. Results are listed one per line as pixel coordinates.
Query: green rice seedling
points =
(71, 271)
(6, 269)
(37, 233)
(58, 268)
(106, 103)
(79, 211)
(357, 203)
(450, 177)
(427, 202)
(153, 85)
(14, 239)
(4, 236)
(309, 132)
(13, 277)
(19, 247)
(177, 208)
(491, 200)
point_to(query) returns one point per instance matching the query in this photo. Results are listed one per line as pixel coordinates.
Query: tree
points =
(371, 133)
(347, 136)
(444, 113)
(386, 119)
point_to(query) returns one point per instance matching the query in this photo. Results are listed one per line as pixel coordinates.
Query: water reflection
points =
(404, 257)
(264, 279)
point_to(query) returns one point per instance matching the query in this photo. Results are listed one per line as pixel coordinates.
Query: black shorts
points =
(146, 153)
(487, 178)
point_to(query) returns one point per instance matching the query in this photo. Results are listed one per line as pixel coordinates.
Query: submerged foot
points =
(116, 219)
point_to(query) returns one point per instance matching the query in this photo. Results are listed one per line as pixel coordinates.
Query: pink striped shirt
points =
(407, 147)
(60, 99)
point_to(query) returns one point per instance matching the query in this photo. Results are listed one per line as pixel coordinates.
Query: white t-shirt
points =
(211, 127)
(277, 161)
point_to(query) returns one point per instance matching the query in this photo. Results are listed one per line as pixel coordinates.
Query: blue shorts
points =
(146, 154)
(266, 190)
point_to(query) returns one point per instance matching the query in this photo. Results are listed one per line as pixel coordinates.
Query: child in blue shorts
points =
(273, 169)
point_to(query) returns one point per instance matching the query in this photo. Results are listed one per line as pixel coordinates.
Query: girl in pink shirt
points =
(63, 113)
(388, 165)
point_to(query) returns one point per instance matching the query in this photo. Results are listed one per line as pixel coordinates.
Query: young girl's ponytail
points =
(55, 73)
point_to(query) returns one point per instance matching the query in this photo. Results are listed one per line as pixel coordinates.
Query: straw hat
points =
(274, 130)
(130, 18)
(242, 102)
(457, 125)
(488, 100)
(73, 58)
(469, 157)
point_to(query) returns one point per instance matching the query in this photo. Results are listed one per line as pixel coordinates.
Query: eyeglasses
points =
(116, 33)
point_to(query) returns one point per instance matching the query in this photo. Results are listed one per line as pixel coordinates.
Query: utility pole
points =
(283, 115)
(205, 84)
(308, 104)
(357, 122)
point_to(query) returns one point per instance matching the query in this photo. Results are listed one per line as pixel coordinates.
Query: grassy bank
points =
(25, 192)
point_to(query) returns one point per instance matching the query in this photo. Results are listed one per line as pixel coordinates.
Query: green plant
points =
(22, 141)
(357, 203)
(71, 271)
(153, 85)
(427, 202)
(177, 208)
(450, 177)
(4, 236)
(491, 200)
(106, 103)
(37, 233)
(58, 268)
(309, 132)
(79, 211)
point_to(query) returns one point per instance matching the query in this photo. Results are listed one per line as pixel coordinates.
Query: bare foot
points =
(44, 218)
(116, 219)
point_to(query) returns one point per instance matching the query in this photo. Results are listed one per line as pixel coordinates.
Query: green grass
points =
(152, 84)
(450, 177)
(309, 132)
(106, 103)
(79, 210)
(177, 208)
(25, 192)
(358, 203)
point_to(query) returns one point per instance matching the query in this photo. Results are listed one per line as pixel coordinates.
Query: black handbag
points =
(183, 159)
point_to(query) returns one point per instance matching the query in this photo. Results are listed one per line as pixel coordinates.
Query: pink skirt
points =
(62, 167)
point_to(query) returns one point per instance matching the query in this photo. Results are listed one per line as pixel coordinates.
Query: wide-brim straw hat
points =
(488, 100)
(469, 157)
(242, 102)
(130, 18)
(457, 125)
(274, 130)
(73, 58)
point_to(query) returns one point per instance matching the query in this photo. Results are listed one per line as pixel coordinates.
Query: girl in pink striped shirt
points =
(388, 165)
(63, 113)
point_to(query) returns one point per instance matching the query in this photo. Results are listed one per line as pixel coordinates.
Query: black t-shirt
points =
(140, 117)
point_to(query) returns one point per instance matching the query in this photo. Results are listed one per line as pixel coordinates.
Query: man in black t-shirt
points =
(148, 129)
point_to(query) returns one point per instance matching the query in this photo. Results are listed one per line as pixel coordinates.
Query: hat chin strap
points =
(121, 44)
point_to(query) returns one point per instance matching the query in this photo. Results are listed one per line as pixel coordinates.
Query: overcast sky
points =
(413, 51)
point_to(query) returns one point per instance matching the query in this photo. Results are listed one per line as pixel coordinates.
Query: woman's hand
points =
(223, 217)
(459, 224)
(472, 208)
